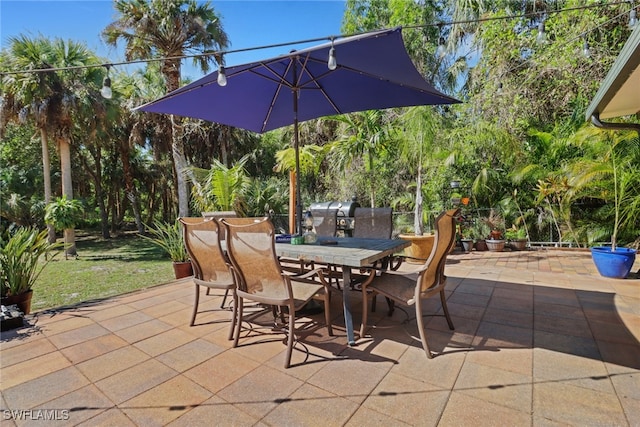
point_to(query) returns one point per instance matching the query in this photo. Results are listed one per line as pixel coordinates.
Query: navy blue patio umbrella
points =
(373, 71)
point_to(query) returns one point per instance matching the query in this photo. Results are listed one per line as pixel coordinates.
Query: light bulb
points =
(222, 77)
(541, 37)
(441, 49)
(106, 91)
(633, 19)
(332, 63)
(585, 50)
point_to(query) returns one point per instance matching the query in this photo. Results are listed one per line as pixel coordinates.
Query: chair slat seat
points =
(397, 286)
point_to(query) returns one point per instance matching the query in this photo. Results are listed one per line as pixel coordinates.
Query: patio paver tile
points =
(463, 410)
(111, 363)
(215, 408)
(309, 404)
(260, 391)
(44, 388)
(126, 384)
(566, 403)
(93, 348)
(166, 402)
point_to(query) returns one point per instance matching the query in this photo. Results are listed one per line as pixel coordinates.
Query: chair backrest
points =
(220, 215)
(432, 272)
(373, 223)
(251, 249)
(202, 240)
(324, 221)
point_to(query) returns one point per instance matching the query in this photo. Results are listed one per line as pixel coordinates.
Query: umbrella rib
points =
(314, 80)
(280, 81)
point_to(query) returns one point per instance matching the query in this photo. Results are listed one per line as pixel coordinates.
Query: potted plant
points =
(169, 237)
(614, 261)
(495, 222)
(517, 237)
(419, 126)
(479, 232)
(22, 259)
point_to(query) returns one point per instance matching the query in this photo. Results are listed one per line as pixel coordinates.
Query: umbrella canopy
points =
(373, 71)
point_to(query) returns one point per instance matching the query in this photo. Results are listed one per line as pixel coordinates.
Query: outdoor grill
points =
(345, 211)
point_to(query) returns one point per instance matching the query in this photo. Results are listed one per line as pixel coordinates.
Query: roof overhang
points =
(619, 93)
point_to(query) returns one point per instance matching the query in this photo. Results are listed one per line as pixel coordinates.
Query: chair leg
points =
(224, 299)
(195, 305)
(365, 302)
(423, 334)
(291, 332)
(392, 306)
(445, 309)
(238, 321)
(234, 314)
(327, 311)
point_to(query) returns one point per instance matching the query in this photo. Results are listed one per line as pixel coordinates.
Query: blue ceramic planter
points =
(616, 264)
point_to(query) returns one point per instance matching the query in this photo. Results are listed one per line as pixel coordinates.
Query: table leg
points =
(346, 306)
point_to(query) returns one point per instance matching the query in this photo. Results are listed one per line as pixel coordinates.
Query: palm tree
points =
(50, 99)
(417, 149)
(28, 96)
(132, 128)
(366, 135)
(169, 29)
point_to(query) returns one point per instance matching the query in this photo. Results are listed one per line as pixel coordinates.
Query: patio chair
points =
(373, 223)
(412, 288)
(324, 222)
(211, 267)
(261, 279)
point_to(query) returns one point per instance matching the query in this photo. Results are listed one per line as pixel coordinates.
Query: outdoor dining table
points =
(348, 252)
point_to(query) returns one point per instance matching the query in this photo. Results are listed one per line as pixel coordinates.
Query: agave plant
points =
(23, 256)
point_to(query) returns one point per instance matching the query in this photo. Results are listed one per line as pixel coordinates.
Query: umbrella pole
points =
(297, 174)
(296, 146)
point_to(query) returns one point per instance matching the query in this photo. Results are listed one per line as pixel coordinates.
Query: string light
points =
(541, 38)
(586, 52)
(332, 63)
(632, 22)
(222, 76)
(106, 91)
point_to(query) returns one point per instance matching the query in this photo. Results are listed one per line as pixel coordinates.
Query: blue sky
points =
(249, 23)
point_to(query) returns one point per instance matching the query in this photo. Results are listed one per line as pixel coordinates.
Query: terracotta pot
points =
(23, 301)
(420, 248)
(496, 234)
(183, 269)
(495, 245)
(518, 245)
(481, 245)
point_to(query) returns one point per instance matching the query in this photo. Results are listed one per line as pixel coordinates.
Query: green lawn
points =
(103, 268)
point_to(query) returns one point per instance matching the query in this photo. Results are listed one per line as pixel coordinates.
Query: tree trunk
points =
(67, 190)
(130, 187)
(417, 220)
(46, 172)
(180, 163)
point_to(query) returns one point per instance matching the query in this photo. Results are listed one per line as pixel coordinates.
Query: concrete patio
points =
(541, 339)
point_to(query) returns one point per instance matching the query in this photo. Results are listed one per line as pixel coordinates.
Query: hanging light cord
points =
(330, 38)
